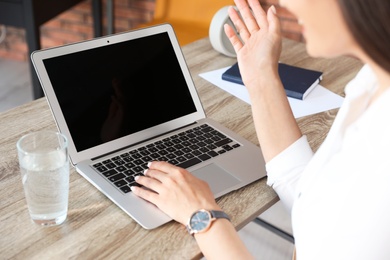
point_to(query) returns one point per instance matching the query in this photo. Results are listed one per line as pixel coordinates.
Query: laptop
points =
(125, 99)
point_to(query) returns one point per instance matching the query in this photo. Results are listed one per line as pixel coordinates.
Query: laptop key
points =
(223, 142)
(212, 153)
(227, 147)
(121, 168)
(101, 169)
(196, 153)
(110, 165)
(181, 159)
(204, 157)
(138, 162)
(137, 169)
(173, 161)
(189, 155)
(128, 159)
(130, 179)
(110, 173)
(125, 189)
(129, 172)
(117, 177)
(129, 165)
(154, 155)
(135, 184)
(120, 183)
(189, 163)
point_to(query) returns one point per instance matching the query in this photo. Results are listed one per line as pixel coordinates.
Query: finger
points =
(273, 20)
(162, 177)
(233, 38)
(247, 16)
(259, 14)
(145, 194)
(238, 23)
(150, 183)
(170, 175)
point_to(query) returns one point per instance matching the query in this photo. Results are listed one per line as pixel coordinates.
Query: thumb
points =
(273, 20)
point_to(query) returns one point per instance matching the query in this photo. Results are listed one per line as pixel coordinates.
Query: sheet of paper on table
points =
(319, 99)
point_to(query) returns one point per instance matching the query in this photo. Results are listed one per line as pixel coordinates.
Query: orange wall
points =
(76, 24)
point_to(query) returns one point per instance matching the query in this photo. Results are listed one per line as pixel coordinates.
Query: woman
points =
(339, 197)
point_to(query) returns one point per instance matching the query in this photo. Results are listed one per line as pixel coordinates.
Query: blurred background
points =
(76, 24)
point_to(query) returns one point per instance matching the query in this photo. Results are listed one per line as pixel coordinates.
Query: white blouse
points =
(339, 197)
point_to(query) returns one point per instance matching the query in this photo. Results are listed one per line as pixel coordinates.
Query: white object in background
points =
(218, 38)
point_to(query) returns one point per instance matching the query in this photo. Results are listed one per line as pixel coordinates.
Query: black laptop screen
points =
(112, 91)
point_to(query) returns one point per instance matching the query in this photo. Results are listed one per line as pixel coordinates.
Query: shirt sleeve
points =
(285, 169)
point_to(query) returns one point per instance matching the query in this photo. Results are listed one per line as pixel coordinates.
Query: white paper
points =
(318, 100)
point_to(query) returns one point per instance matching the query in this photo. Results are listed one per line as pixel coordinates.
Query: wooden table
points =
(95, 227)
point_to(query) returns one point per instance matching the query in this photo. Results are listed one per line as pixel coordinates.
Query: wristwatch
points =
(201, 220)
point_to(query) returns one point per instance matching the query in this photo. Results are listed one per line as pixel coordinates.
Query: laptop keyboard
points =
(185, 149)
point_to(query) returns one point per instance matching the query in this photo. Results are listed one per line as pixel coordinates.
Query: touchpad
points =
(217, 178)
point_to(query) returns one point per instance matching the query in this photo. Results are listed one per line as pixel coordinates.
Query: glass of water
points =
(44, 165)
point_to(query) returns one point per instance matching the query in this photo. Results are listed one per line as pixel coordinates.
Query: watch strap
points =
(219, 214)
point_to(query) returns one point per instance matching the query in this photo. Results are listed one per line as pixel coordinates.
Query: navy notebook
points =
(297, 82)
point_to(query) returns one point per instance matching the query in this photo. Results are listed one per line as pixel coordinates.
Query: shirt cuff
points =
(290, 162)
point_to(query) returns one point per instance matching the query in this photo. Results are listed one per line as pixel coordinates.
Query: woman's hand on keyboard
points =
(175, 191)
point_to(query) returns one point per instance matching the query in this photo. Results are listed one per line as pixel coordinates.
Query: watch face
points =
(200, 221)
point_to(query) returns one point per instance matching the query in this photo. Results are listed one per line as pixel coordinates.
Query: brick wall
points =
(76, 25)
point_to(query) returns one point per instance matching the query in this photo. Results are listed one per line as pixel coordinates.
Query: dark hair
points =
(369, 22)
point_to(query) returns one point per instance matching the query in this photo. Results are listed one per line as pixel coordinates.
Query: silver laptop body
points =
(115, 94)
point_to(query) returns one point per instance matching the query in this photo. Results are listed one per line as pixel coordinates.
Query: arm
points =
(221, 241)
(258, 56)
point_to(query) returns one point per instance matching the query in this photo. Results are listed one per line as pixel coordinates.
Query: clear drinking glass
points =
(44, 165)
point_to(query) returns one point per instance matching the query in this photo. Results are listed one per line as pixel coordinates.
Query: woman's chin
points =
(316, 51)
(313, 52)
